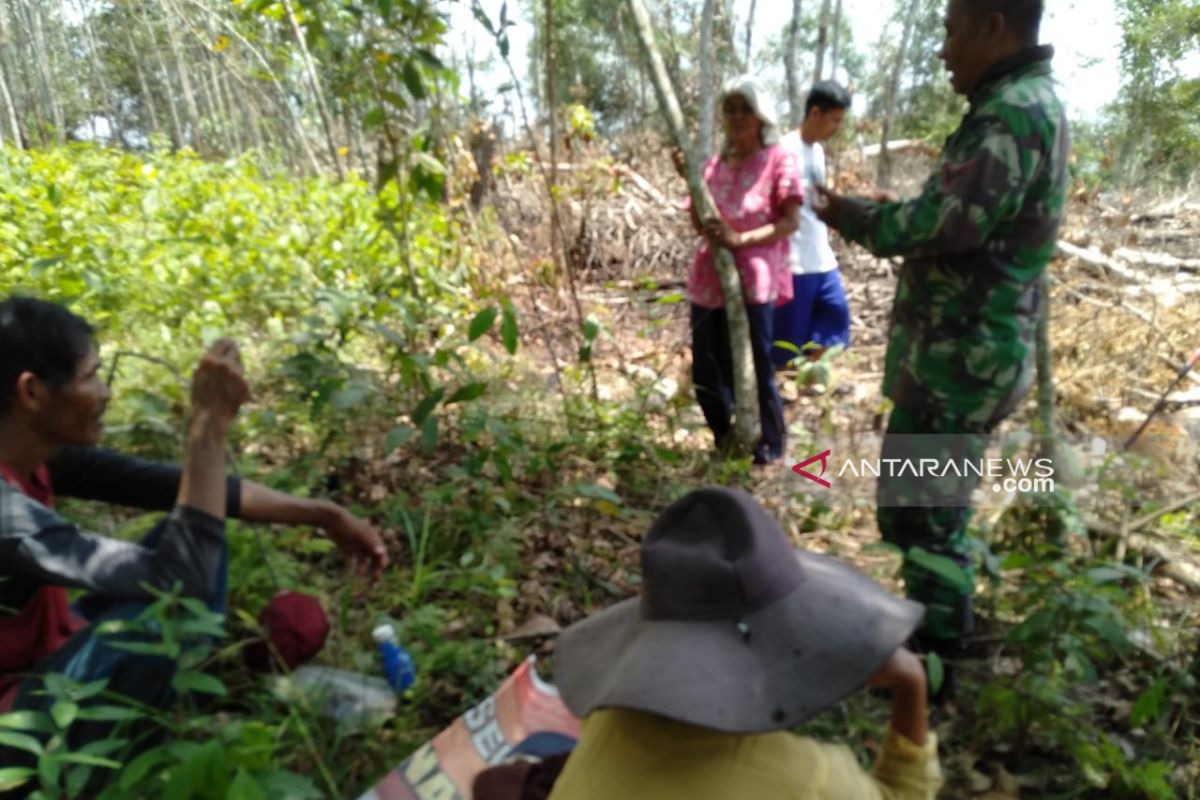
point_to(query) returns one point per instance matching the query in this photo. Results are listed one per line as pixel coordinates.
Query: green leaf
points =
(786, 345)
(482, 323)
(426, 406)
(674, 297)
(591, 327)
(351, 395)
(387, 172)
(86, 759)
(943, 567)
(36, 721)
(414, 81)
(109, 713)
(198, 682)
(21, 741)
(1149, 705)
(598, 492)
(429, 434)
(385, 8)
(140, 767)
(14, 777)
(483, 19)
(373, 118)
(64, 712)
(244, 787)
(289, 785)
(508, 329)
(472, 391)
(936, 670)
(398, 437)
(1109, 630)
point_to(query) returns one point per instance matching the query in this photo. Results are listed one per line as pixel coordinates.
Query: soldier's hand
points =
(827, 205)
(878, 195)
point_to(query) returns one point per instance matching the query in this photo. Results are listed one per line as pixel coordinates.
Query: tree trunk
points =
(708, 92)
(314, 81)
(185, 78)
(143, 87)
(884, 176)
(749, 32)
(10, 108)
(746, 427)
(795, 101)
(37, 42)
(176, 124)
(110, 101)
(837, 38)
(822, 41)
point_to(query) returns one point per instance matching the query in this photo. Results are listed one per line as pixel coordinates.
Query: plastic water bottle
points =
(397, 663)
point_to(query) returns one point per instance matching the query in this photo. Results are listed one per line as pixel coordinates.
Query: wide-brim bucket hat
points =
(751, 88)
(735, 630)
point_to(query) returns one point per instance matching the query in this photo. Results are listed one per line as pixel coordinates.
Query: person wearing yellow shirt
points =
(688, 692)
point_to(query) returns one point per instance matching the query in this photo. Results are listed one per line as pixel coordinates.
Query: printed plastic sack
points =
(524, 709)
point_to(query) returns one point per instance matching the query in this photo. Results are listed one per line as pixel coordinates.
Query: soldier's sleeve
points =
(961, 203)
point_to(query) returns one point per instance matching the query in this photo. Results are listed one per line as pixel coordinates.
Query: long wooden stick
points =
(746, 425)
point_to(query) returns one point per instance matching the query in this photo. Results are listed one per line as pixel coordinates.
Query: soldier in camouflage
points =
(974, 243)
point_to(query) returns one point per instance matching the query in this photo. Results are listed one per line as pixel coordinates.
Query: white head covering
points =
(749, 87)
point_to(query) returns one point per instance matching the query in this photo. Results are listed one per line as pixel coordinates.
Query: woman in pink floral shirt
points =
(756, 185)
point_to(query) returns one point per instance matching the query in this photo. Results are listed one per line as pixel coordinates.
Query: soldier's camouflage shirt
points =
(975, 242)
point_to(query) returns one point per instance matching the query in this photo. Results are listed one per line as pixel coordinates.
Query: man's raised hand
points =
(219, 385)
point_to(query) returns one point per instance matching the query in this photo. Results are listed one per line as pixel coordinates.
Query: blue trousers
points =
(712, 374)
(818, 313)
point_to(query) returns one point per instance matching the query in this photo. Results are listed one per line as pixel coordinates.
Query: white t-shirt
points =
(809, 249)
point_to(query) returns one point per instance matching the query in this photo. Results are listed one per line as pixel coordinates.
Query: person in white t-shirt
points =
(818, 317)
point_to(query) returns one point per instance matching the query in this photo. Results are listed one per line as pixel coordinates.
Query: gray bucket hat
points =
(734, 631)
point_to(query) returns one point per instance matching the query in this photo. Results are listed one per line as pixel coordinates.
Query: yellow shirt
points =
(629, 755)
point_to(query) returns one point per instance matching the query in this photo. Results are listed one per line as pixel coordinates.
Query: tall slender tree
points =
(791, 46)
(884, 174)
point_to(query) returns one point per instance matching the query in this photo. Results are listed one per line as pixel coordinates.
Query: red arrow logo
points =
(800, 470)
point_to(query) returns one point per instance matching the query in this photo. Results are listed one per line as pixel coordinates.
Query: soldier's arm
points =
(959, 206)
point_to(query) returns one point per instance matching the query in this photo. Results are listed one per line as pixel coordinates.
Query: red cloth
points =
(296, 626)
(45, 622)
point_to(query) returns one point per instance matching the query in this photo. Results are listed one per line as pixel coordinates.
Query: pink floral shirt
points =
(749, 197)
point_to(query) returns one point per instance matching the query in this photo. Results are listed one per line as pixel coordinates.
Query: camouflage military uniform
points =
(960, 345)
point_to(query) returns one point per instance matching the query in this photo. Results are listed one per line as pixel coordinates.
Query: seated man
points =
(689, 690)
(52, 400)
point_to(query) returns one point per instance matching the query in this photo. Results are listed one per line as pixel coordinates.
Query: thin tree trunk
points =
(185, 78)
(795, 103)
(822, 41)
(314, 81)
(286, 110)
(708, 92)
(100, 72)
(37, 43)
(143, 87)
(746, 427)
(749, 32)
(884, 176)
(837, 38)
(10, 109)
(176, 124)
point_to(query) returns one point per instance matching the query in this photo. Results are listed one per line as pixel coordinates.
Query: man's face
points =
(74, 414)
(827, 123)
(968, 50)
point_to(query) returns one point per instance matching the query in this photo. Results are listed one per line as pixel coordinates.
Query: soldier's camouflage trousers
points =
(932, 513)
